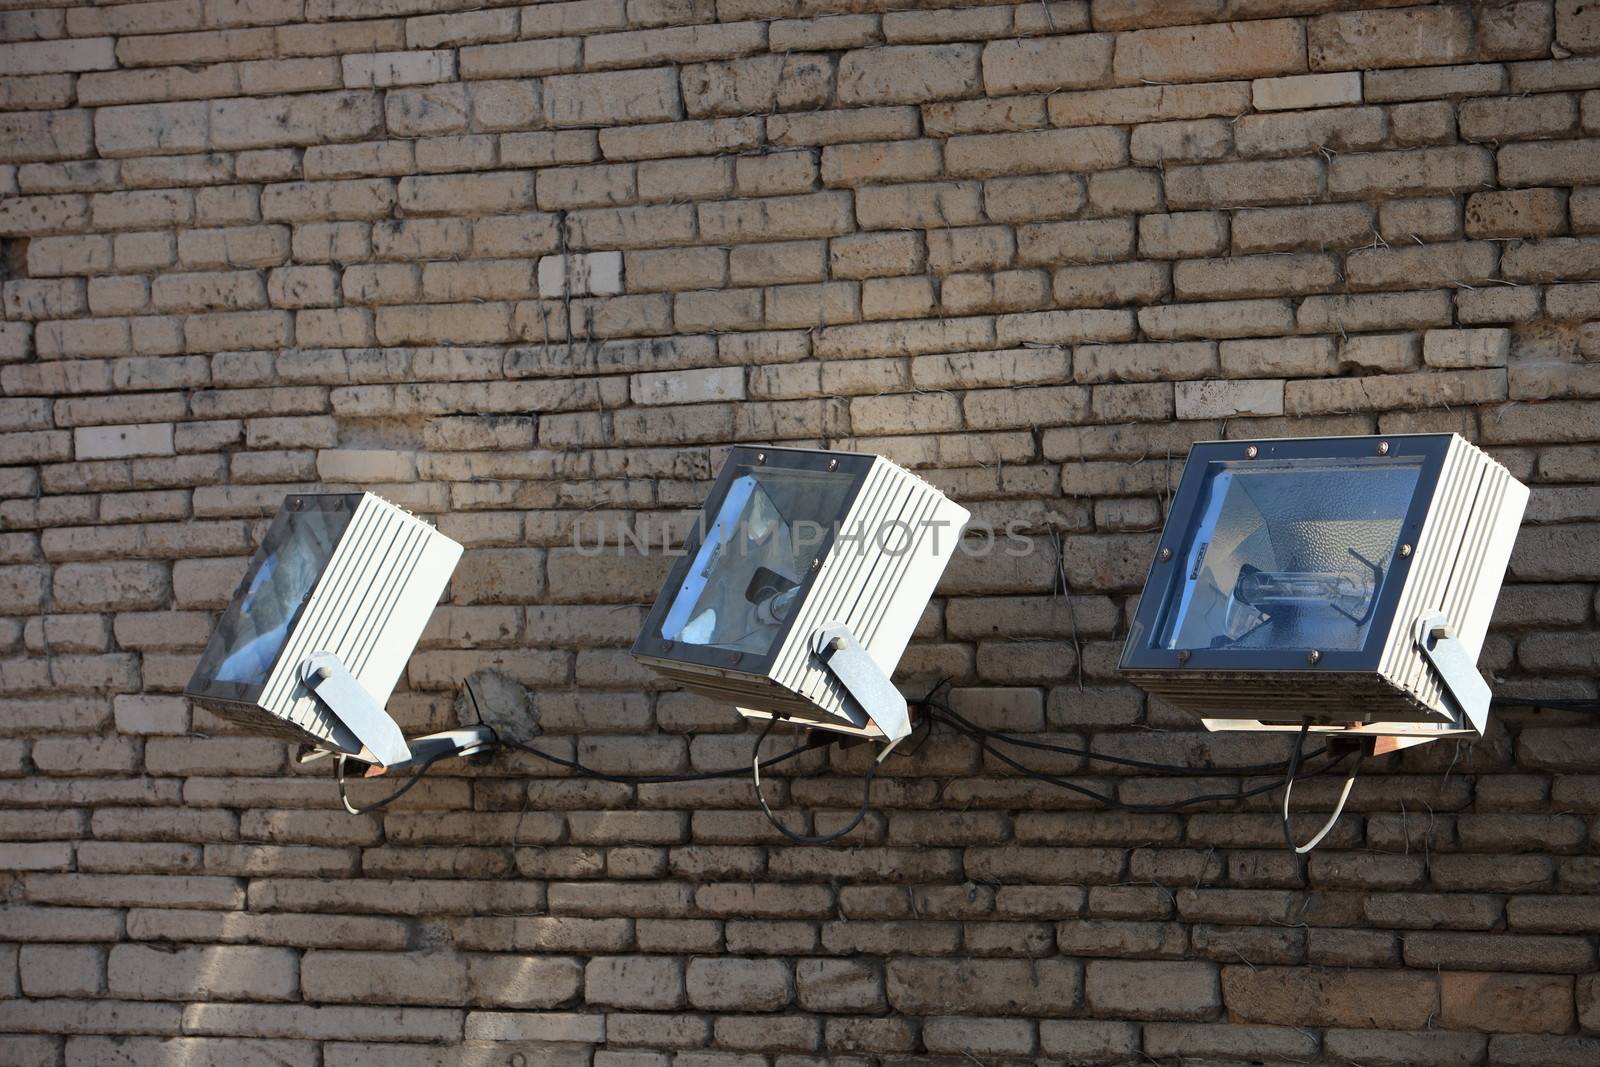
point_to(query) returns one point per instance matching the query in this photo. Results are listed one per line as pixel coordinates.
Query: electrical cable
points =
(653, 779)
(409, 784)
(1124, 761)
(1288, 789)
(981, 736)
(638, 779)
(807, 839)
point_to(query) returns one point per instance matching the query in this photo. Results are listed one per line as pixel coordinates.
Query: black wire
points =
(806, 839)
(1288, 782)
(1109, 801)
(1124, 761)
(636, 779)
(410, 784)
(653, 779)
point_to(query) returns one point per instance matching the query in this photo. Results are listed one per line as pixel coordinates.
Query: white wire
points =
(1344, 795)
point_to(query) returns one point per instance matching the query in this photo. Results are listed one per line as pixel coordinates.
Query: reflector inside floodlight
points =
(248, 640)
(1286, 554)
(315, 638)
(746, 576)
(1344, 582)
(799, 588)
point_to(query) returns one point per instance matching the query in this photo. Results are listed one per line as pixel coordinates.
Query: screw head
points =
(837, 644)
(1166, 554)
(1405, 551)
(324, 673)
(816, 563)
(1183, 656)
(761, 457)
(1383, 448)
(833, 464)
(1313, 656)
(1252, 452)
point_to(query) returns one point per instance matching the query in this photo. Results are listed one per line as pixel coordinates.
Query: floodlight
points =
(315, 637)
(1338, 583)
(799, 588)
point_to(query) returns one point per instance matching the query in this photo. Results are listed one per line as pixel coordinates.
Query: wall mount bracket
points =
(378, 737)
(1456, 667)
(344, 695)
(860, 674)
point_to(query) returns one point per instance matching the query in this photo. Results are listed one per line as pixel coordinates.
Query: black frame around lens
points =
(651, 645)
(1164, 578)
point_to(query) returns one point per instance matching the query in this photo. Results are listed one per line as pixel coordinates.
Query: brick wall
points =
(1032, 251)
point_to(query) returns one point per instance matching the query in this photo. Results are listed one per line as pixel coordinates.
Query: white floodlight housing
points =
(1341, 582)
(315, 637)
(799, 588)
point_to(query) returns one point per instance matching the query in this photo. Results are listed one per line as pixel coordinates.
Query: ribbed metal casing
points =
(1461, 560)
(876, 583)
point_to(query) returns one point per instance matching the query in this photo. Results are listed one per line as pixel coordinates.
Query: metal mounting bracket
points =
(1455, 667)
(352, 705)
(463, 741)
(859, 673)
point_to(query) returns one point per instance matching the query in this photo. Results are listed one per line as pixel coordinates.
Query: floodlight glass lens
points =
(754, 557)
(1288, 555)
(248, 641)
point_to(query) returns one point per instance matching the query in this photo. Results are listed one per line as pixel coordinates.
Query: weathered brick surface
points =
(529, 269)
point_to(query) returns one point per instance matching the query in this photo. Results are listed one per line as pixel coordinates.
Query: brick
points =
(1047, 64)
(1253, 276)
(1374, 311)
(112, 442)
(1237, 318)
(49, 57)
(46, 135)
(303, 119)
(387, 69)
(813, 215)
(1552, 163)
(909, 74)
(758, 85)
(1466, 348)
(1213, 400)
(1093, 241)
(738, 985)
(1039, 151)
(1312, 996)
(1243, 184)
(232, 972)
(1032, 987)
(62, 970)
(1408, 37)
(114, 585)
(1442, 170)
(1498, 1003)
(637, 982)
(1299, 133)
(1210, 53)
(1431, 265)
(433, 110)
(885, 161)
(1518, 213)
(1151, 989)
(608, 98)
(1306, 91)
(1530, 118)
